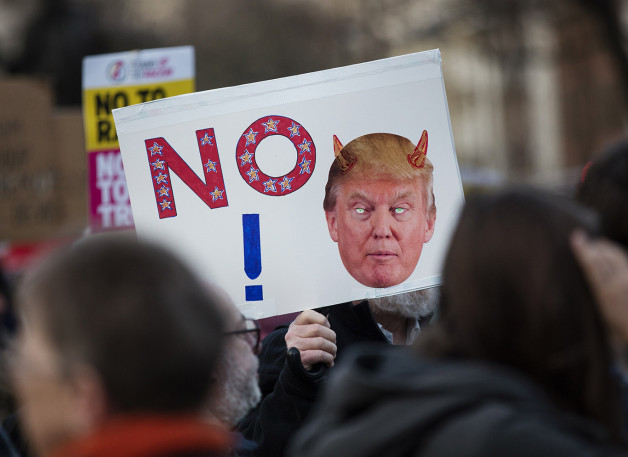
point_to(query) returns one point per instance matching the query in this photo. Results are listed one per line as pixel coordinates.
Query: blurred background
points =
(536, 88)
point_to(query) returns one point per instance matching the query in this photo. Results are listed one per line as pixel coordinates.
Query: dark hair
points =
(514, 295)
(136, 314)
(8, 321)
(605, 189)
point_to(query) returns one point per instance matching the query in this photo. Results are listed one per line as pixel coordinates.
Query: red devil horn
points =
(337, 146)
(417, 158)
(344, 158)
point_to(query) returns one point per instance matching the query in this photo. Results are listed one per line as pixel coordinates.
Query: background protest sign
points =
(233, 179)
(42, 174)
(113, 81)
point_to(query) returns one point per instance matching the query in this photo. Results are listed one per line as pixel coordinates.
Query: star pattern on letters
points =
(158, 164)
(305, 166)
(245, 158)
(294, 129)
(161, 178)
(270, 185)
(270, 125)
(156, 149)
(250, 136)
(216, 194)
(207, 140)
(285, 183)
(165, 204)
(305, 146)
(253, 174)
(164, 191)
(210, 166)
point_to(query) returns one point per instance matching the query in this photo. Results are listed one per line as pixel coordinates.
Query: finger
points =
(311, 317)
(312, 344)
(325, 343)
(311, 358)
(312, 331)
(308, 344)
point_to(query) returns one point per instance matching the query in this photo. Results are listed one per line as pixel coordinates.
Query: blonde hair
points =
(379, 156)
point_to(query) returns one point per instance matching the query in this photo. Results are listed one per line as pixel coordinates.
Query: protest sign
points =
(42, 176)
(113, 81)
(234, 180)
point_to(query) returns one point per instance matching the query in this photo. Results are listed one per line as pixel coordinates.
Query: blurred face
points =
(236, 390)
(47, 400)
(380, 227)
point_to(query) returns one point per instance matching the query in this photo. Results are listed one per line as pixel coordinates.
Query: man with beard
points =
(295, 359)
(235, 389)
(380, 209)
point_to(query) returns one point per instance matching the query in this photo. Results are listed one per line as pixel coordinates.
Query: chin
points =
(381, 281)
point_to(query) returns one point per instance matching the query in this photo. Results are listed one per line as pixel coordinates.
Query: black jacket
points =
(288, 391)
(389, 402)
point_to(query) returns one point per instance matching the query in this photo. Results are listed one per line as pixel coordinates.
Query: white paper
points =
(301, 266)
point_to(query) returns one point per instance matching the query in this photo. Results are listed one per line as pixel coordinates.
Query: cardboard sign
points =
(234, 180)
(42, 175)
(113, 81)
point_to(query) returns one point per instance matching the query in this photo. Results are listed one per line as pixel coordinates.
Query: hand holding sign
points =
(311, 334)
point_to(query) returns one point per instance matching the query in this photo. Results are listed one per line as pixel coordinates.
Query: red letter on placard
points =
(253, 136)
(162, 158)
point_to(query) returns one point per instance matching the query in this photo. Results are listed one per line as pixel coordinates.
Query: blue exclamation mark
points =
(252, 255)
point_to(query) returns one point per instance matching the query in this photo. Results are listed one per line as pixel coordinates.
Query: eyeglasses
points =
(250, 326)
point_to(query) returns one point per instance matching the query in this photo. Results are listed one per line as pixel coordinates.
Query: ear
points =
(332, 224)
(91, 397)
(430, 223)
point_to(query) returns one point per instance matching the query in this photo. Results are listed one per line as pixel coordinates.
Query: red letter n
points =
(162, 158)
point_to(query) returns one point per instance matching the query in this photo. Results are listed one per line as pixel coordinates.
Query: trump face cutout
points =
(379, 217)
(380, 227)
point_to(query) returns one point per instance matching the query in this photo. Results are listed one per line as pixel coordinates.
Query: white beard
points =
(237, 389)
(414, 304)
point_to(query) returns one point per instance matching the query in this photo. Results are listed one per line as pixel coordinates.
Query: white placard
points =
(185, 155)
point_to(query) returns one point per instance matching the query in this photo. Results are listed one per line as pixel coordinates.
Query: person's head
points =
(605, 189)
(235, 389)
(415, 304)
(379, 205)
(112, 327)
(513, 294)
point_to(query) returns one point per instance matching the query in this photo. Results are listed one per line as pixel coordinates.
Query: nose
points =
(381, 221)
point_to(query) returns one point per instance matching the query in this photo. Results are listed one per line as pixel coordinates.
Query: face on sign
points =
(380, 227)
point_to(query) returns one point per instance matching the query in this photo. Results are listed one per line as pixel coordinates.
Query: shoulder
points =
(497, 428)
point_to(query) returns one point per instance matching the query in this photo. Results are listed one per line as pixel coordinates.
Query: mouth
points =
(381, 255)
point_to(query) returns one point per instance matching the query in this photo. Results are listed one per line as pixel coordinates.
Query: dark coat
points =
(390, 402)
(288, 391)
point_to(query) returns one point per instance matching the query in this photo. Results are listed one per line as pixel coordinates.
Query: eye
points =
(400, 210)
(360, 210)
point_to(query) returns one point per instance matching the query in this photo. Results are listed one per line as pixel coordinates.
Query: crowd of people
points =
(119, 349)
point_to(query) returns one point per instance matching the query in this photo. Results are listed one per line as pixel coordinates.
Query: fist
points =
(311, 334)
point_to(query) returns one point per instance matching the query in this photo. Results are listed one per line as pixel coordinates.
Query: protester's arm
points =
(605, 265)
(289, 384)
